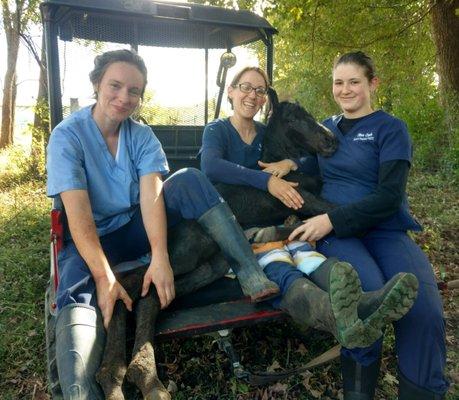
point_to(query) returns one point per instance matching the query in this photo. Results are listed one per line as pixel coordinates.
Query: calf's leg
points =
(113, 368)
(142, 369)
(201, 276)
(187, 245)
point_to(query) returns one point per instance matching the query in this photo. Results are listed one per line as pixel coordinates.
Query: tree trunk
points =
(9, 85)
(40, 131)
(445, 29)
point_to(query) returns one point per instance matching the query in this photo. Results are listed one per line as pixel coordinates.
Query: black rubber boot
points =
(220, 224)
(409, 391)
(321, 276)
(380, 307)
(334, 312)
(359, 382)
(390, 303)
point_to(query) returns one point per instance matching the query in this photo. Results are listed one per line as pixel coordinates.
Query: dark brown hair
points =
(104, 60)
(358, 58)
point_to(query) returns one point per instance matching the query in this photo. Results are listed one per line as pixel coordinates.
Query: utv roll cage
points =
(134, 23)
(152, 23)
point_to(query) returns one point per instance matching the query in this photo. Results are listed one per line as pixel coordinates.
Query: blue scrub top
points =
(222, 135)
(352, 172)
(79, 158)
(225, 157)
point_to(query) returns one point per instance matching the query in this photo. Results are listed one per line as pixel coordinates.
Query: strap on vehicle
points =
(260, 378)
(57, 239)
(263, 378)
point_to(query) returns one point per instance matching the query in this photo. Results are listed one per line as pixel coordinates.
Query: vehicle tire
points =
(50, 334)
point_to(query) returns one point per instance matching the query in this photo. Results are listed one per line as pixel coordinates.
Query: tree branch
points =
(313, 32)
(32, 48)
(381, 37)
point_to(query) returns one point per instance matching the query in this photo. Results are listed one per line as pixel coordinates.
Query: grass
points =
(197, 367)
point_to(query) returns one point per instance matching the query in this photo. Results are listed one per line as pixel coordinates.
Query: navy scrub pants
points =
(420, 334)
(188, 194)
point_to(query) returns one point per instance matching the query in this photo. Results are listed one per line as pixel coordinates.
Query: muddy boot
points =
(409, 391)
(359, 381)
(342, 284)
(80, 340)
(221, 225)
(380, 307)
(390, 303)
(334, 312)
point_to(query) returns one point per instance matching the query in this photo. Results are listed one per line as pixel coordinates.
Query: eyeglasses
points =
(260, 91)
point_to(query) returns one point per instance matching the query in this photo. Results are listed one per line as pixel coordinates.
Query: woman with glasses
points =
(231, 147)
(230, 153)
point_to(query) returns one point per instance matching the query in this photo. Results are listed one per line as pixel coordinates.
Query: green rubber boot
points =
(220, 224)
(376, 308)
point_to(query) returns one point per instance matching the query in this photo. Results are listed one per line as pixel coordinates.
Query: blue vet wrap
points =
(284, 275)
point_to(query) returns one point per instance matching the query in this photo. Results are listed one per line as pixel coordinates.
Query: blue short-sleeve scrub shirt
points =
(79, 158)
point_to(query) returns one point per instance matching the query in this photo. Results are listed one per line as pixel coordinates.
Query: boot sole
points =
(359, 335)
(345, 293)
(396, 304)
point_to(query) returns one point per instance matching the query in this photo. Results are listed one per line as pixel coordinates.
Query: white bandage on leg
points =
(279, 255)
(306, 259)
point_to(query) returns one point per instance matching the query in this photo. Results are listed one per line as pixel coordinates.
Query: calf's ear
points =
(272, 94)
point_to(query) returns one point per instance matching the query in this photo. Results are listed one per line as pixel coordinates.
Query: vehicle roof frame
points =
(188, 25)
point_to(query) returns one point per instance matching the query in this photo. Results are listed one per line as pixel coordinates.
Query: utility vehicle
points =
(189, 50)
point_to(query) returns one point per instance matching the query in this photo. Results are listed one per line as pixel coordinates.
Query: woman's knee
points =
(354, 252)
(427, 308)
(187, 176)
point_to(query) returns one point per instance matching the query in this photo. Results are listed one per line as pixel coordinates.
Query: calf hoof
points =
(111, 382)
(142, 373)
(158, 394)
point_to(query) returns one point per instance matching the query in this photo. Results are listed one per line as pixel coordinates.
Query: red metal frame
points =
(57, 239)
(213, 317)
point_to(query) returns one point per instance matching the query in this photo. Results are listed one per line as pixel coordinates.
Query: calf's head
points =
(293, 132)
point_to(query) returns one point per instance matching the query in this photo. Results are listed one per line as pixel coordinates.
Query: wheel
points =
(50, 334)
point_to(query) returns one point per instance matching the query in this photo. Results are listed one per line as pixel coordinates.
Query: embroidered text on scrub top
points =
(364, 137)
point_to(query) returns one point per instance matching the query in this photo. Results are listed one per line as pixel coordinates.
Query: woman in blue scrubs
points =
(367, 177)
(230, 153)
(107, 170)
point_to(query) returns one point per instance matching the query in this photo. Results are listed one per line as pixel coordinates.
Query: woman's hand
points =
(161, 275)
(285, 191)
(313, 229)
(109, 290)
(154, 219)
(279, 168)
